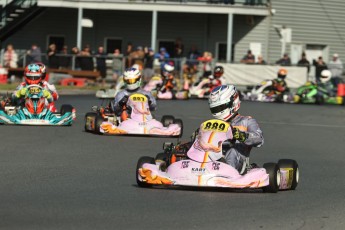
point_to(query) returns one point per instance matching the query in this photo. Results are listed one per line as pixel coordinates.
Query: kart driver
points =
(167, 77)
(35, 74)
(325, 86)
(224, 103)
(279, 85)
(132, 78)
(216, 79)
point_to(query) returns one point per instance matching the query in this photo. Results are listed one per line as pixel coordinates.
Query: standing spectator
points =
(75, 52)
(101, 63)
(178, 54)
(249, 58)
(319, 66)
(261, 60)
(117, 64)
(53, 60)
(336, 66)
(162, 57)
(34, 54)
(64, 59)
(206, 60)
(192, 58)
(86, 61)
(284, 61)
(304, 62)
(148, 66)
(137, 57)
(127, 53)
(10, 57)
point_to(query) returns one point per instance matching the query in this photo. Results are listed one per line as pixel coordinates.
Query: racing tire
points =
(273, 171)
(291, 164)
(66, 109)
(141, 161)
(167, 120)
(319, 100)
(179, 122)
(98, 121)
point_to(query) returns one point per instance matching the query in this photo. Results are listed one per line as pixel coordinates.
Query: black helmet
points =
(218, 71)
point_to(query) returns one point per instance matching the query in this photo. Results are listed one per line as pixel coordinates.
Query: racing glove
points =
(123, 101)
(239, 135)
(22, 92)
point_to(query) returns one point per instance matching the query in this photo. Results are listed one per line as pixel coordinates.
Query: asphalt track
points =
(64, 178)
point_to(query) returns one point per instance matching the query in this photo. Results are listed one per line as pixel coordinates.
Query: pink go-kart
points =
(200, 164)
(136, 119)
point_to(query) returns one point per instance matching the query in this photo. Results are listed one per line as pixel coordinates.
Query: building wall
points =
(312, 22)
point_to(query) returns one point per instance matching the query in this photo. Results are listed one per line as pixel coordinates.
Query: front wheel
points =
(141, 162)
(167, 120)
(273, 171)
(66, 109)
(290, 167)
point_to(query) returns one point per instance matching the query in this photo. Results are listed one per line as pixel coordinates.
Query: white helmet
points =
(132, 77)
(325, 76)
(168, 68)
(224, 102)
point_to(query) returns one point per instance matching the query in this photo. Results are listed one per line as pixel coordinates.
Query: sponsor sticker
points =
(137, 97)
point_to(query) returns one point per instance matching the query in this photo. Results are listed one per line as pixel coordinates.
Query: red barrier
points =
(341, 90)
(79, 82)
(3, 75)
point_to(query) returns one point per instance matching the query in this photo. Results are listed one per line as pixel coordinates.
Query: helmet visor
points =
(220, 108)
(132, 80)
(33, 77)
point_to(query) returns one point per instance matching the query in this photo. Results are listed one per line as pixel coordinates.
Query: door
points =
(58, 40)
(169, 45)
(113, 43)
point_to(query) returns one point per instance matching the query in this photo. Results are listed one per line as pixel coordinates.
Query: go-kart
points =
(164, 89)
(310, 93)
(264, 92)
(136, 119)
(200, 164)
(203, 88)
(33, 110)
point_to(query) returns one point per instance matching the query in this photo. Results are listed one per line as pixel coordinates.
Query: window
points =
(58, 40)
(113, 43)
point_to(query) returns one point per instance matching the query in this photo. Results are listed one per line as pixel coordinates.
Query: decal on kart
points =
(138, 97)
(215, 125)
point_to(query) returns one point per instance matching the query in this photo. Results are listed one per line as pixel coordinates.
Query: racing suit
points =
(326, 88)
(238, 151)
(122, 97)
(45, 85)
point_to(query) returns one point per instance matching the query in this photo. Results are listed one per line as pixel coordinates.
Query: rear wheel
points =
(179, 122)
(66, 109)
(319, 100)
(273, 171)
(167, 120)
(287, 164)
(141, 162)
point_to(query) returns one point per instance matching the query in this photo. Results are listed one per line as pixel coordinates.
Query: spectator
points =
(53, 60)
(304, 62)
(261, 60)
(319, 66)
(64, 59)
(10, 57)
(284, 61)
(232, 2)
(249, 58)
(206, 59)
(162, 57)
(148, 66)
(76, 52)
(117, 64)
(101, 63)
(137, 57)
(86, 61)
(127, 53)
(34, 54)
(336, 66)
(192, 58)
(178, 53)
